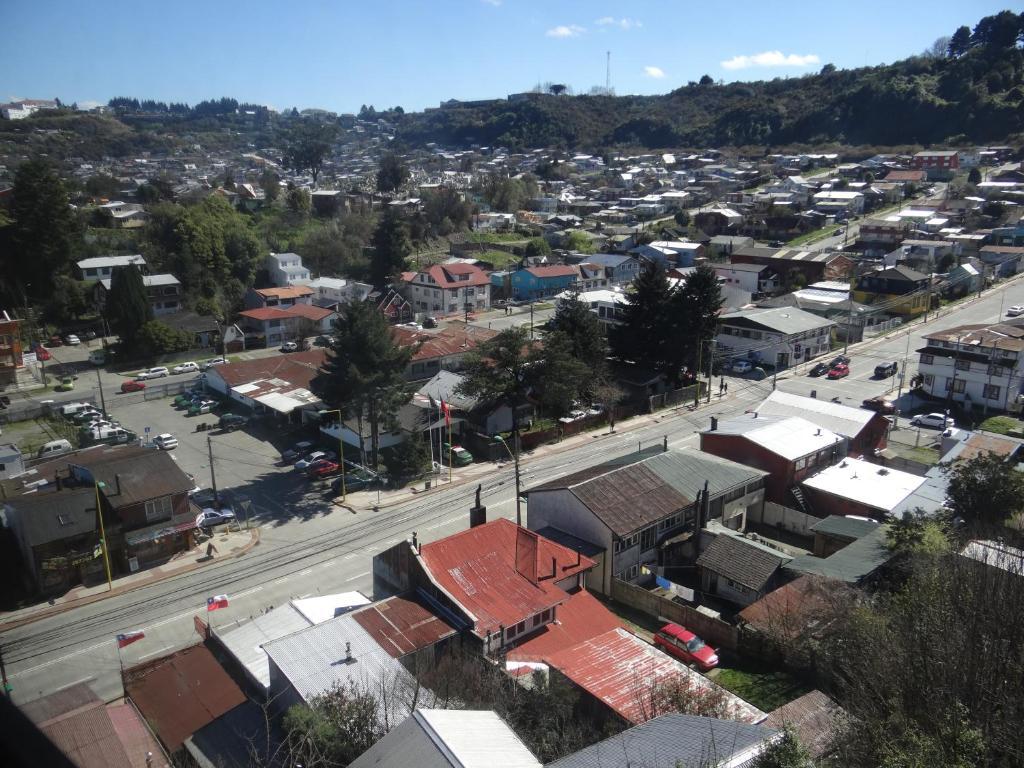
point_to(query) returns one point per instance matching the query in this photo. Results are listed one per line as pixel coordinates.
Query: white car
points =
(1015, 310)
(210, 517)
(166, 441)
(742, 366)
(303, 464)
(289, 346)
(152, 373)
(189, 367)
(72, 340)
(207, 364)
(933, 421)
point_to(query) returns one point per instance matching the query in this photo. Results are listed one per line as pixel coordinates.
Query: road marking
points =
(46, 664)
(358, 576)
(328, 564)
(306, 572)
(281, 580)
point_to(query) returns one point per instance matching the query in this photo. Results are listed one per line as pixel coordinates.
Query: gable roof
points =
(133, 474)
(842, 527)
(500, 572)
(852, 563)
(308, 311)
(448, 275)
(285, 292)
(445, 343)
(581, 617)
(298, 368)
(787, 436)
(840, 419)
(48, 515)
(402, 625)
(741, 561)
(556, 270)
(815, 718)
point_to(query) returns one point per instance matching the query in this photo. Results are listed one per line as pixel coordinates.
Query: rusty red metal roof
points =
(581, 617)
(502, 573)
(88, 739)
(298, 368)
(450, 341)
(401, 625)
(180, 693)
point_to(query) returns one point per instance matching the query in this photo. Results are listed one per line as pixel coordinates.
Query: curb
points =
(56, 610)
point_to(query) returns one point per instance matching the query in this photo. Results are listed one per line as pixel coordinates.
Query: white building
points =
(607, 304)
(19, 110)
(839, 201)
(328, 291)
(102, 267)
(976, 365)
(781, 336)
(286, 269)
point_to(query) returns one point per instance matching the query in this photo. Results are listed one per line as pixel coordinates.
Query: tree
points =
(557, 89)
(45, 232)
(984, 489)
(298, 201)
(364, 374)
(974, 176)
(101, 185)
(642, 337)
(128, 308)
(390, 248)
(270, 183)
(696, 311)
(916, 531)
(939, 49)
(335, 729)
(656, 696)
(1002, 30)
(308, 144)
(392, 174)
(560, 377)
(682, 218)
(409, 459)
(537, 246)
(960, 42)
(584, 333)
(785, 752)
(67, 301)
(157, 338)
(446, 212)
(508, 194)
(577, 240)
(706, 80)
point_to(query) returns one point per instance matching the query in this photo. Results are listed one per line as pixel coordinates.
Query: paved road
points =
(331, 551)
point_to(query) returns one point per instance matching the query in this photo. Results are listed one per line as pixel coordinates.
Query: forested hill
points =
(970, 90)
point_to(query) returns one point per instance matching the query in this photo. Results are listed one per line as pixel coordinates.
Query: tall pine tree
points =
(390, 248)
(585, 332)
(643, 337)
(128, 307)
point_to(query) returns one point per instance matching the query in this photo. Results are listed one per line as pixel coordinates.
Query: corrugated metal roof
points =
(402, 626)
(814, 716)
(320, 608)
(741, 561)
(841, 419)
(844, 527)
(580, 618)
(244, 643)
(618, 668)
(134, 474)
(852, 563)
(790, 437)
(671, 741)
(135, 737)
(484, 567)
(88, 739)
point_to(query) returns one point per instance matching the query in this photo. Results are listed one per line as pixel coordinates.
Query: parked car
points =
(166, 441)
(54, 448)
(429, 322)
(210, 517)
(70, 410)
(66, 384)
(98, 357)
(838, 360)
(208, 364)
(880, 405)
(201, 406)
(933, 421)
(71, 340)
(55, 341)
(186, 398)
(820, 369)
(460, 457)
(303, 464)
(41, 353)
(132, 386)
(152, 373)
(839, 371)
(86, 414)
(289, 346)
(189, 367)
(232, 421)
(353, 483)
(885, 370)
(296, 451)
(680, 642)
(321, 341)
(741, 366)
(1015, 310)
(323, 468)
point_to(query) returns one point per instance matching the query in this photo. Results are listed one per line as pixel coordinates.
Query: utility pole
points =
(531, 321)
(103, 402)
(213, 475)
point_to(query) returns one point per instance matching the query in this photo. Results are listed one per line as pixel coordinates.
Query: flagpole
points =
(103, 534)
(448, 418)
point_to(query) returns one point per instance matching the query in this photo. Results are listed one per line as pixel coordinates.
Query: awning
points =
(156, 532)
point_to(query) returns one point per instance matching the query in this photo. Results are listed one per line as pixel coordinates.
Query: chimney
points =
(818, 431)
(348, 651)
(478, 512)
(714, 423)
(117, 480)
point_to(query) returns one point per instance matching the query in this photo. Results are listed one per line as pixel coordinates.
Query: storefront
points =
(156, 544)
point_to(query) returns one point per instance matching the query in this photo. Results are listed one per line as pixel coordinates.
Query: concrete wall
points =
(714, 631)
(560, 509)
(784, 518)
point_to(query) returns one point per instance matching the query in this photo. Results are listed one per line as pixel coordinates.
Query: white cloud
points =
(495, 3)
(771, 59)
(564, 30)
(656, 72)
(623, 23)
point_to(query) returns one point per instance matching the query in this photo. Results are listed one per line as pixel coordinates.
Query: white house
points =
(329, 291)
(781, 336)
(494, 222)
(448, 288)
(607, 304)
(286, 268)
(839, 201)
(102, 267)
(753, 278)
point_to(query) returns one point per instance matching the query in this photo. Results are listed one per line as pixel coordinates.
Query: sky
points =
(342, 54)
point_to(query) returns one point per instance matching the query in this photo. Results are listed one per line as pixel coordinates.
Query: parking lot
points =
(245, 460)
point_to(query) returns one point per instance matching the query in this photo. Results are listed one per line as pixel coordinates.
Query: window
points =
(801, 463)
(647, 539)
(991, 392)
(963, 365)
(546, 616)
(996, 370)
(631, 572)
(158, 509)
(957, 385)
(627, 543)
(927, 359)
(929, 379)
(669, 522)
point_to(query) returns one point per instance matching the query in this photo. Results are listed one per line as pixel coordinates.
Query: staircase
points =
(802, 504)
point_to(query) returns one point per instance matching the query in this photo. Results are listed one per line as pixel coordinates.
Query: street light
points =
(103, 534)
(341, 452)
(515, 460)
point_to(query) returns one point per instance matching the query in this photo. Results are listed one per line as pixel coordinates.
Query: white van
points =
(71, 409)
(98, 357)
(54, 448)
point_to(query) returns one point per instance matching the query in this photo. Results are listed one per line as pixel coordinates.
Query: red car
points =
(132, 386)
(42, 354)
(680, 642)
(838, 371)
(322, 468)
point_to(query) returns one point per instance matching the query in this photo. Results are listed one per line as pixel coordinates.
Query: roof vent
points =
(818, 432)
(842, 464)
(883, 471)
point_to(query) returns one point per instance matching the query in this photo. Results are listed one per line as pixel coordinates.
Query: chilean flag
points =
(215, 602)
(447, 413)
(129, 637)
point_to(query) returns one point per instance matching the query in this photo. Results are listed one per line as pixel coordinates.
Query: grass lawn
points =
(495, 237)
(813, 236)
(765, 688)
(920, 454)
(1001, 425)
(500, 259)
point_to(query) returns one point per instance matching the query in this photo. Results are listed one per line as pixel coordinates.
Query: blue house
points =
(539, 282)
(619, 269)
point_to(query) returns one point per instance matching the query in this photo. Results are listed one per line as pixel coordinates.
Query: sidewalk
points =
(229, 545)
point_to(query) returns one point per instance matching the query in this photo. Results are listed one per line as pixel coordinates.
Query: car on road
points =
(152, 373)
(323, 468)
(165, 441)
(322, 341)
(132, 386)
(208, 364)
(839, 371)
(933, 421)
(289, 346)
(429, 322)
(189, 367)
(820, 369)
(201, 406)
(885, 370)
(71, 340)
(741, 366)
(296, 451)
(210, 517)
(232, 421)
(879, 404)
(303, 464)
(98, 357)
(676, 640)
(460, 457)
(1015, 310)
(66, 384)
(838, 360)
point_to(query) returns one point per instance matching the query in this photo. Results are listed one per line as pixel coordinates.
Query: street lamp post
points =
(515, 461)
(103, 533)
(341, 453)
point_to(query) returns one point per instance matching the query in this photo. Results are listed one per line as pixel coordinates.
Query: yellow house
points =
(902, 290)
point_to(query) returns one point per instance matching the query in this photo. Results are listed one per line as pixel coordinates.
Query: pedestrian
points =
(726, 387)
(210, 549)
(721, 386)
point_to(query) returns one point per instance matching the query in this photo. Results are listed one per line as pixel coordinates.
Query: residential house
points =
(102, 267)
(836, 531)
(938, 165)
(163, 291)
(739, 570)
(674, 253)
(882, 233)
(12, 462)
(840, 203)
(278, 385)
(447, 289)
(811, 266)
(865, 431)
(286, 268)
(281, 297)
(335, 292)
(856, 564)
(449, 738)
(857, 487)
(788, 448)
(974, 365)
(717, 220)
(924, 256)
(756, 279)
(895, 290)
(606, 304)
(11, 353)
(674, 740)
(722, 246)
(120, 215)
(779, 337)
(270, 326)
(601, 506)
(591, 277)
(963, 280)
(19, 110)
(444, 350)
(1002, 260)
(494, 222)
(540, 282)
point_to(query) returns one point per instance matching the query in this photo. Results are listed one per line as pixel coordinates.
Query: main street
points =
(332, 551)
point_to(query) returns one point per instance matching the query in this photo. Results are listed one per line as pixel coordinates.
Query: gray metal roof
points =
(852, 563)
(786, 320)
(673, 740)
(844, 527)
(244, 643)
(841, 419)
(741, 561)
(49, 515)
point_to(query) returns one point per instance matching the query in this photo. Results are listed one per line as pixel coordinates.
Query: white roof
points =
(790, 437)
(244, 643)
(837, 194)
(878, 487)
(841, 419)
(323, 607)
(589, 297)
(111, 261)
(995, 553)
